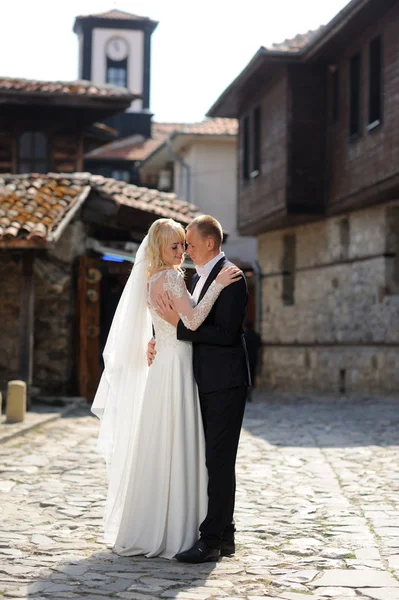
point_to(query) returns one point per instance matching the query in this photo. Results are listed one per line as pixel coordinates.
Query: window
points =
(165, 180)
(289, 266)
(392, 255)
(117, 72)
(257, 123)
(342, 381)
(344, 237)
(375, 82)
(355, 95)
(245, 142)
(121, 175)
(33, 153)
(335, 95)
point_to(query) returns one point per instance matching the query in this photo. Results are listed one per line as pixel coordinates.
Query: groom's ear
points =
(210, 243)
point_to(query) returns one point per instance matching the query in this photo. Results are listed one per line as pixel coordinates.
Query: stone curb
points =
(47, 418)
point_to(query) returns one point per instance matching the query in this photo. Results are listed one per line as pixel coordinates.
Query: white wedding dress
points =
(162, 497)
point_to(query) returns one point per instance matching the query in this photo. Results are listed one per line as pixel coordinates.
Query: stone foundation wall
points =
(330, 310)
(55, 306)
(53, 370)
(371, 370)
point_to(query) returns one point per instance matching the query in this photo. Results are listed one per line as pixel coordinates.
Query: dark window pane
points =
(121, 175)
(245, 160)
(40, 167)
(117, 72)
(257, 138)
(289, 269)
(375, 81)
(25, 145)
(355, 95)
(101, 170)
(24, 167)
(344, 237)
(117, 77)
(40, 147)
(33, 152)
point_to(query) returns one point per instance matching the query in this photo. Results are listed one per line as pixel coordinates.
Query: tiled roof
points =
(35, 209)
(297, 43)
(136, 147)
(63, 88)
(210, 127)
(33, 206)
(158, 203)
(114, 14)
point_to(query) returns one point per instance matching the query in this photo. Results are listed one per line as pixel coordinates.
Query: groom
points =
(222, 375)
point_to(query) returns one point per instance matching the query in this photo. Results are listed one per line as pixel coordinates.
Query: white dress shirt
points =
(203, 272)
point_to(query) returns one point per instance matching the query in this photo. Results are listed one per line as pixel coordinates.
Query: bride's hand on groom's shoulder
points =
(166, 309)
(151, 352)
(228, 275)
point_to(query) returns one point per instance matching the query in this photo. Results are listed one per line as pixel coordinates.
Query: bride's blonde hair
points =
(158, 237)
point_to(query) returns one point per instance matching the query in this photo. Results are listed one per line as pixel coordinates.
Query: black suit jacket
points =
(219, 351)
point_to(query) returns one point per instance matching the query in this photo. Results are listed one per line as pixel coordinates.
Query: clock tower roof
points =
(114, 18)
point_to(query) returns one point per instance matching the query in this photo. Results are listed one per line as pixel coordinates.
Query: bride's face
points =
(173, 252)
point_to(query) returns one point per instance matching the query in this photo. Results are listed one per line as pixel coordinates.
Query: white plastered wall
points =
(135, 40)
(214, 190)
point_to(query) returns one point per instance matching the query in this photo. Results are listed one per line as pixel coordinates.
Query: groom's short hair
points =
(208, 226)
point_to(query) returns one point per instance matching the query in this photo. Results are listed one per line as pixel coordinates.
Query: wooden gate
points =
(88, 324)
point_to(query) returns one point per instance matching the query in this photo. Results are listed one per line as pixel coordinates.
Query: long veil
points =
(120, 393)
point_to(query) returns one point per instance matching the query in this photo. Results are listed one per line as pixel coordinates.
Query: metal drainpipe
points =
(183, 164)
(258, 296)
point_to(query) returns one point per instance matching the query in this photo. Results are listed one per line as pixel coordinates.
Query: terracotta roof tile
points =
(63, 88)
(297, 43)
(33, 206)
(137, 147)
(153, 201)
(34, 209)
(211, 127)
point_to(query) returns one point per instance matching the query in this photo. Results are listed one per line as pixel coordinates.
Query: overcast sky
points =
(198, 48)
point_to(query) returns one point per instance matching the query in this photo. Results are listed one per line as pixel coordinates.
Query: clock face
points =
(117, 48)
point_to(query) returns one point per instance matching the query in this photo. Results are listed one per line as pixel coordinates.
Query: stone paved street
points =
(317, 511)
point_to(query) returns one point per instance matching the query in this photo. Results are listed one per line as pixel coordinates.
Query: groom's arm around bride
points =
(219, 347)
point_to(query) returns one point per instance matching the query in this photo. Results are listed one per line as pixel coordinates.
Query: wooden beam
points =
(26, 320)
(81, 322)
(14, 149)
(80, 154)
(12, 243)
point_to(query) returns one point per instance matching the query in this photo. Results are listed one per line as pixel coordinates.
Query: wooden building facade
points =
(318, 177)
(67, 238)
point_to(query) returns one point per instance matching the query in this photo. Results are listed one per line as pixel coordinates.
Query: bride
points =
(151, 432)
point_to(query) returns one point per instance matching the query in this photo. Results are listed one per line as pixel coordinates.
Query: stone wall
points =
(330, 311)
(55, 325)
(54, 335)
(54, 317)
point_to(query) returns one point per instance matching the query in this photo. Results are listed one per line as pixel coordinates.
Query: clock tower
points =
(115, 48)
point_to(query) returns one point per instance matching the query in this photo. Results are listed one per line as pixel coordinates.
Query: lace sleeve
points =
(191, 317)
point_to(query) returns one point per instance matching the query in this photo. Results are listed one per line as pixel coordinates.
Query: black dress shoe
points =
(199, 553)
(227, 548)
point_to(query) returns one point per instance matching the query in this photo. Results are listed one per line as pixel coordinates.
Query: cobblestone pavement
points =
(317, 511)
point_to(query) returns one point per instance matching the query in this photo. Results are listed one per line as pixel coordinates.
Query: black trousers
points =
(222, 414)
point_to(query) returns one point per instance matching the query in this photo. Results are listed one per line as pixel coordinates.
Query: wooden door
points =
(88, 323)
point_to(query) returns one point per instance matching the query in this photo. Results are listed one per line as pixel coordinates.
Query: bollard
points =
(16, 401)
